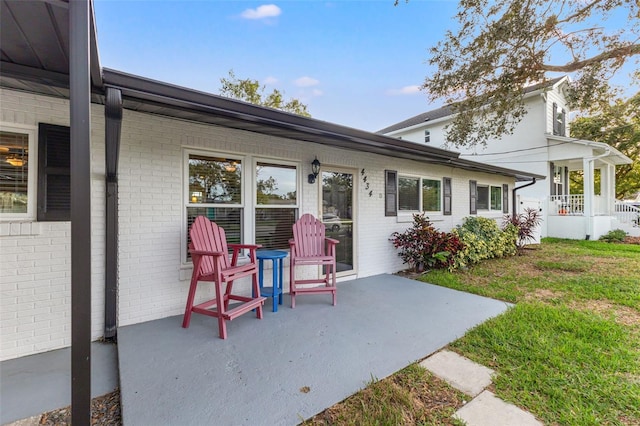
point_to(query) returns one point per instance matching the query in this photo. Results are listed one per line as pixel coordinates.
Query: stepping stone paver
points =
(460, 372)
(488, 410)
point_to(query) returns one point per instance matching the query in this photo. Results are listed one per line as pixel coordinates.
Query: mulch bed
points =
(105, 410)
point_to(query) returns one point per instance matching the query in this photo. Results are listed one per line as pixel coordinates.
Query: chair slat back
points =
(308, 235)
(207, 235)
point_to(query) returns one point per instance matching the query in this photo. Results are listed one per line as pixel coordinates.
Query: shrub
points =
(526, 223)
(483, 239)
(422, 245)
(614, 236)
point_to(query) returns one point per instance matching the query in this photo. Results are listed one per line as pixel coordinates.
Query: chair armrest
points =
(206, 253)
(245, 246)
(331, 240)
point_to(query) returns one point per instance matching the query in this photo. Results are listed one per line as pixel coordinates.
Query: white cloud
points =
(270, 81)
(406, 90)
(306, 82)
(317, 92)
(261, 12)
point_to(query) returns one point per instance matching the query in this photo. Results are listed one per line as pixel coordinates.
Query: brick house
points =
(161, 155)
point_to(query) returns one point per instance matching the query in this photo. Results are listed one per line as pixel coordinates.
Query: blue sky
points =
(355, 63)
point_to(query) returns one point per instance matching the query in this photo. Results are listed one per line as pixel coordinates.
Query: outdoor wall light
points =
(315, 169)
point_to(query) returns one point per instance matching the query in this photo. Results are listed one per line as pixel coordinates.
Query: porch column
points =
(587, 167)
(80, 112)
(608, 187)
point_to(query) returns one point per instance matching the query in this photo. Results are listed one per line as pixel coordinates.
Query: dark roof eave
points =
(270, 121)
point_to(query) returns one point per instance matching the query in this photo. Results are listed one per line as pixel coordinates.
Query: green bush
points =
(483, 239)
(615, 236)
(423, 246)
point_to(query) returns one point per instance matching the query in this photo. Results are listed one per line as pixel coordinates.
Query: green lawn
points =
(569, 350)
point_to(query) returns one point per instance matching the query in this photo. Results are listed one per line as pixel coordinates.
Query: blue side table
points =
(277, 257)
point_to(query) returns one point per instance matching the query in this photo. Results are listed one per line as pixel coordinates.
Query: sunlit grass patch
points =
(566, 366)
(412, 396)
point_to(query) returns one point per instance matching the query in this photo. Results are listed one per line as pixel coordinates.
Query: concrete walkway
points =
(32, 385)
(293, 363)
(485, 409)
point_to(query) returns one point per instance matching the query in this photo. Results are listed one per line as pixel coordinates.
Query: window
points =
(17, 173)
(21, 160)
(496, 198)
(427, 136)
(419, 194)
(559, 120)
(215, 191)
(276, 204)
(482, 203)
(488, 197)
(408, 194)
(431, 195)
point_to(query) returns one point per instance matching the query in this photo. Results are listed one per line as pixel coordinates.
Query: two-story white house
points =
(541, 144)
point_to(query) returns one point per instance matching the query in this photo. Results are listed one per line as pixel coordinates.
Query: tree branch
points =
(630, 50)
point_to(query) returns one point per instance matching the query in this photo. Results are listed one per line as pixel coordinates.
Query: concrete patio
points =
(292, 364)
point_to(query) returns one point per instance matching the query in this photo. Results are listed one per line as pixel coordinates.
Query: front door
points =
(338, 215)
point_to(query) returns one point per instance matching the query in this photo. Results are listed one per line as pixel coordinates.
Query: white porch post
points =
(608, 185)
(587, 167)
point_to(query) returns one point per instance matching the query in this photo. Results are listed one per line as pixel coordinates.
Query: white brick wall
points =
(35, 257)
(151, 207)
(153, 282)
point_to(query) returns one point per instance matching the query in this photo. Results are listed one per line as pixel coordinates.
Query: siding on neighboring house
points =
(35, 257)
(153, 281)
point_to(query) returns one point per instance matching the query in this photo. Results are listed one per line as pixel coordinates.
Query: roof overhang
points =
(34, 55)
(600, 150)
(154, 97)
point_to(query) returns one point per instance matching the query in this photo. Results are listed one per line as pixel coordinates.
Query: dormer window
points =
(427, 136)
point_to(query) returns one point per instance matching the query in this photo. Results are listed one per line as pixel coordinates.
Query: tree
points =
(502, 46)
(617, 124)
(251, 91)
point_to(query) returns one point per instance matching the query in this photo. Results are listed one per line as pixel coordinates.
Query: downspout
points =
(587, 161)
(113, 122)
(513, 197)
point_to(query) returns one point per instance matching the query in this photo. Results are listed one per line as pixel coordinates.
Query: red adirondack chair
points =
(309, 246)
(210, 256)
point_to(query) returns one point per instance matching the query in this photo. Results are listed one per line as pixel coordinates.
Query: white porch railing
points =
(626, 213)
(563, 205)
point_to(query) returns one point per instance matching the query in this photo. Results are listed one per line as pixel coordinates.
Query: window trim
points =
(250, 212)
(474, 196)
(32, 171)
(186, 152)
(420, 178)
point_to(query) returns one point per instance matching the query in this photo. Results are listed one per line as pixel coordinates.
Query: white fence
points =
(627, 213)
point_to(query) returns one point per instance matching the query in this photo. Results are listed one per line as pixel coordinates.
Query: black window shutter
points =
(54, 177)
(566, 183)
(473, 196)
(391, 193)
(563, 123)
(505, 198)
(555, 118)
(446, 194)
